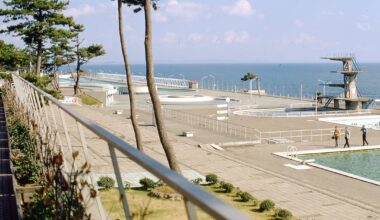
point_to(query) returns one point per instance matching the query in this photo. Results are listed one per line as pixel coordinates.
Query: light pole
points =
(202, 82)
(316, 103)
(213, 77)
(324, 85)
(228, 112)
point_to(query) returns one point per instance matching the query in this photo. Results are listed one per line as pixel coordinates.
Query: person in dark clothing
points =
(347, 135)
(364, 135)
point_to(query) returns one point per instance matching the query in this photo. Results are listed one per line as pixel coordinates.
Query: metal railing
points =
(160, 81)
(243, 132)
(212, 124)
(223, 127)
(309, 135)
(268, 114)
(45, 109)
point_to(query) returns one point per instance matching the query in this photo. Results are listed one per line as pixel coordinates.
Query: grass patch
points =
(168, 209)
(89, 100)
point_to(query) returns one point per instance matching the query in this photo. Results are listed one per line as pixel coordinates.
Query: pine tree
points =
(83, 54)
(36, 22)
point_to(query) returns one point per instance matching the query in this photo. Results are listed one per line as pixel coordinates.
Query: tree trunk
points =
(39, 58)
(129, 79)
(76, 85)
(168, 148)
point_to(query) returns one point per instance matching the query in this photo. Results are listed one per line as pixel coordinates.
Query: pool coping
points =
(329, 150)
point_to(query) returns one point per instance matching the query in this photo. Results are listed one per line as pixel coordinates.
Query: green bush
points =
(26, 165)
(246, 196)
(211, 178)
(147, 183)
(6, 76)
(266, 205)
(283, 214)
(228, 187)
(197, 181)
(106, 182)
(42, 82)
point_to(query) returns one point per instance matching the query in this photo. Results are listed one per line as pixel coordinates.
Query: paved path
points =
(305, 200)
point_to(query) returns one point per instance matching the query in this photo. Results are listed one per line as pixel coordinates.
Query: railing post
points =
(119, 182)
(55, 125)
(190, 210)
(92, 178)
(68, 141)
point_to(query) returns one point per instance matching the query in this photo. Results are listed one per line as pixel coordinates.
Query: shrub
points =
(43, 82)
(238, 192)
(266, 205)
(221, 184)
(127, 186)
(245, 196)
(197, 180)
(212, 178)
(6, 76)
(159, 183)
(25, 163)
(284, 214)
(147, 183)
(106, 182)
(228, 187)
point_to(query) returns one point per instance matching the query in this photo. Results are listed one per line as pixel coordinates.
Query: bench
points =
(118, 112)
(188, 133)
(217, 147)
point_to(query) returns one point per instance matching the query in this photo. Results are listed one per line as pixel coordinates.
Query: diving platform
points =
(351, 97)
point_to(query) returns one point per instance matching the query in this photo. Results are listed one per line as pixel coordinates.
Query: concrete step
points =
(6, 185)
(8, 207)
(4, 154)
(5, 167)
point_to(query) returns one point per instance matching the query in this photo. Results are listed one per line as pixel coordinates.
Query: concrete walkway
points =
(251, 169)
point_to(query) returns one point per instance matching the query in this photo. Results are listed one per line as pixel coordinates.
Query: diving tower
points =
(350, 70)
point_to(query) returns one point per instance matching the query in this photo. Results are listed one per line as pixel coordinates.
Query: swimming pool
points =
(363, 163)
(370, 121)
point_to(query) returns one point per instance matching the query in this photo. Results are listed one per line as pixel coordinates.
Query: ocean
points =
(289, 79)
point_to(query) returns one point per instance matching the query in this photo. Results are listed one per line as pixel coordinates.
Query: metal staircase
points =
(329, 101)
(355, 64)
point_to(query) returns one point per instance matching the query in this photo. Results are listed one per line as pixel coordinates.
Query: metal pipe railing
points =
(193, 195)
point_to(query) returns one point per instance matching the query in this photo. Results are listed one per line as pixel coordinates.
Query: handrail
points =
(210, 204)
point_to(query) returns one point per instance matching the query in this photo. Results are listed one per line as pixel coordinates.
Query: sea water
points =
(282, 79)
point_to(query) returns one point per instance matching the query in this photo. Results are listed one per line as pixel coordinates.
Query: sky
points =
(235, 31)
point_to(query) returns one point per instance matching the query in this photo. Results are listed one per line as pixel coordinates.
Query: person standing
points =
(336, 135)
(364, 135)
(347, 135)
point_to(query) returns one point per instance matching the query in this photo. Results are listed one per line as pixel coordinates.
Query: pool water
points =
(361, 163)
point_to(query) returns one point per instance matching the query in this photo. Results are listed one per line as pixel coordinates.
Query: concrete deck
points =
(309, 194)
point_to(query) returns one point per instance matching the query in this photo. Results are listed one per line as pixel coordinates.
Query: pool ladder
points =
(291, 151)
